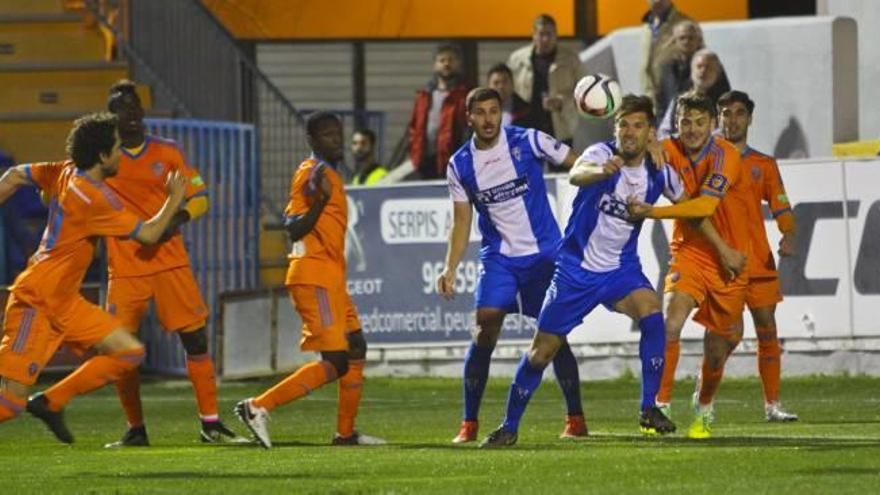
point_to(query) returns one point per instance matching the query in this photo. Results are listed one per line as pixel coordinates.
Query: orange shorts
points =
(720, 302)
(328, 315)
(175, 294)
(32, 335)
(763, 292)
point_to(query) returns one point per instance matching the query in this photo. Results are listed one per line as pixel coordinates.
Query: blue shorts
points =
(503, 278)
(575, 292)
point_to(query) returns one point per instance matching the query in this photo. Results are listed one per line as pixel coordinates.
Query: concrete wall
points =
(867, 16)
(802, 72)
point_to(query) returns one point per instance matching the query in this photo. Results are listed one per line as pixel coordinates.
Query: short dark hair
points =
(120, 88)
(731, 97)
(694, 100)
(92, 135)
(500, 67)
(544, 20)
(368, 133)
(481, 94)
(318, 119)
(631, 103)
(448, 48)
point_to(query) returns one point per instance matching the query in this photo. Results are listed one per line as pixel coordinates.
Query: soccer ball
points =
(597, 96)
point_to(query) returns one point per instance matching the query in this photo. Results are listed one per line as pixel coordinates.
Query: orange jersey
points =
(140, 184)
(716, 172)
(766, 186)
(319, 257)
(80, 211)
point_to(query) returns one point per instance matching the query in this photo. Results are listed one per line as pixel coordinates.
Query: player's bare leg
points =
(770, 363)
(476, 369)
(679, 306)
(643, 306)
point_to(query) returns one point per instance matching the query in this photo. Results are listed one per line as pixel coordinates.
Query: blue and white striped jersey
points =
(599, 236)
(506, 186)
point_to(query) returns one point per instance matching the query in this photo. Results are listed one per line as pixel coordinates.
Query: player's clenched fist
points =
(613, 165)
(446, 283)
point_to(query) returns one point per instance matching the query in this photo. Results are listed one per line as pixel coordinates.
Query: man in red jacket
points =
(438, 123)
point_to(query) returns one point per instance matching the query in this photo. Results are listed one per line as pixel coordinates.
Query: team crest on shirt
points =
(33, 368)
(158, 169)
(517, 154)
(756, 172)
(717, 182)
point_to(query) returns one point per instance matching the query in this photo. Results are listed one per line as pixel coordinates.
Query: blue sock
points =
(525, 382)
(565, 367)
(476, 373)
(652, 347)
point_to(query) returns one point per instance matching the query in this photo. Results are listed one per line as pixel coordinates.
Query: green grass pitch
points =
(835, 448)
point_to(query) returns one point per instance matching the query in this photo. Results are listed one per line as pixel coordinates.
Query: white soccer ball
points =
(597, 96)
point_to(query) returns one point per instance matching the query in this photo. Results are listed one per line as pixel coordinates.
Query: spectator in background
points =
(675, 76)
(367, 170)
(657, 42)
(545, 74)
(515, 110)
(438, 123)
(707, 78)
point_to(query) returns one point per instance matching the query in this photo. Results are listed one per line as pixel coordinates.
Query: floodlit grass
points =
(835, 448)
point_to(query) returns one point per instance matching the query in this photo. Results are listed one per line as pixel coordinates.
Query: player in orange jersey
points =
(708, 258)
(159, 273)
(735, 117)
(316, 219)
(45, 308)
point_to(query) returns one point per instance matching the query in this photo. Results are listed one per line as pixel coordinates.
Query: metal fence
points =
(224, 243)
(197, 69)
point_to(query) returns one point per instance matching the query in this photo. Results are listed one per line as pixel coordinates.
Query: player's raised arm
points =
(586, 172)
(12, 179)
(153, 229)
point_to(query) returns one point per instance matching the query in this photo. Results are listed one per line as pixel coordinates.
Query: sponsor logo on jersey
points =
(504, 192)
(158, 169)
(612, 205)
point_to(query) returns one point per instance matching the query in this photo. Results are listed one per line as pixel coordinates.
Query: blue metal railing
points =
(224, 244)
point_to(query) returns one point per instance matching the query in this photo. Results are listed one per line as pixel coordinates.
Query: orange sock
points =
(200, 369)
(128, 388)
(351, 386)
(309, 377)
(93, 374)
(10, 406)
(709, 381)
(769, 362)
(673, 351)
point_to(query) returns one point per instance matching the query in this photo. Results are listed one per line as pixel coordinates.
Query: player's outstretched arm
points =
(700, 207)
(584, 172)
(459, 237)
(12, 179)
(152, 230)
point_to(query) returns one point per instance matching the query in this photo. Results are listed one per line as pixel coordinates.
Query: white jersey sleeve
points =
(672, 185)
(597, 154)
(456, 190)
(547, 148)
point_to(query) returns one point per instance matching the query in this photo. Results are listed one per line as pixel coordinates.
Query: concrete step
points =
(57, 98)
(49, 38)
(28, 7)
(41, 75)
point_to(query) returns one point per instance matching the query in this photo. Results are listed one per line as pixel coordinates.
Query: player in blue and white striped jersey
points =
(500, 173)
(598, 263)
